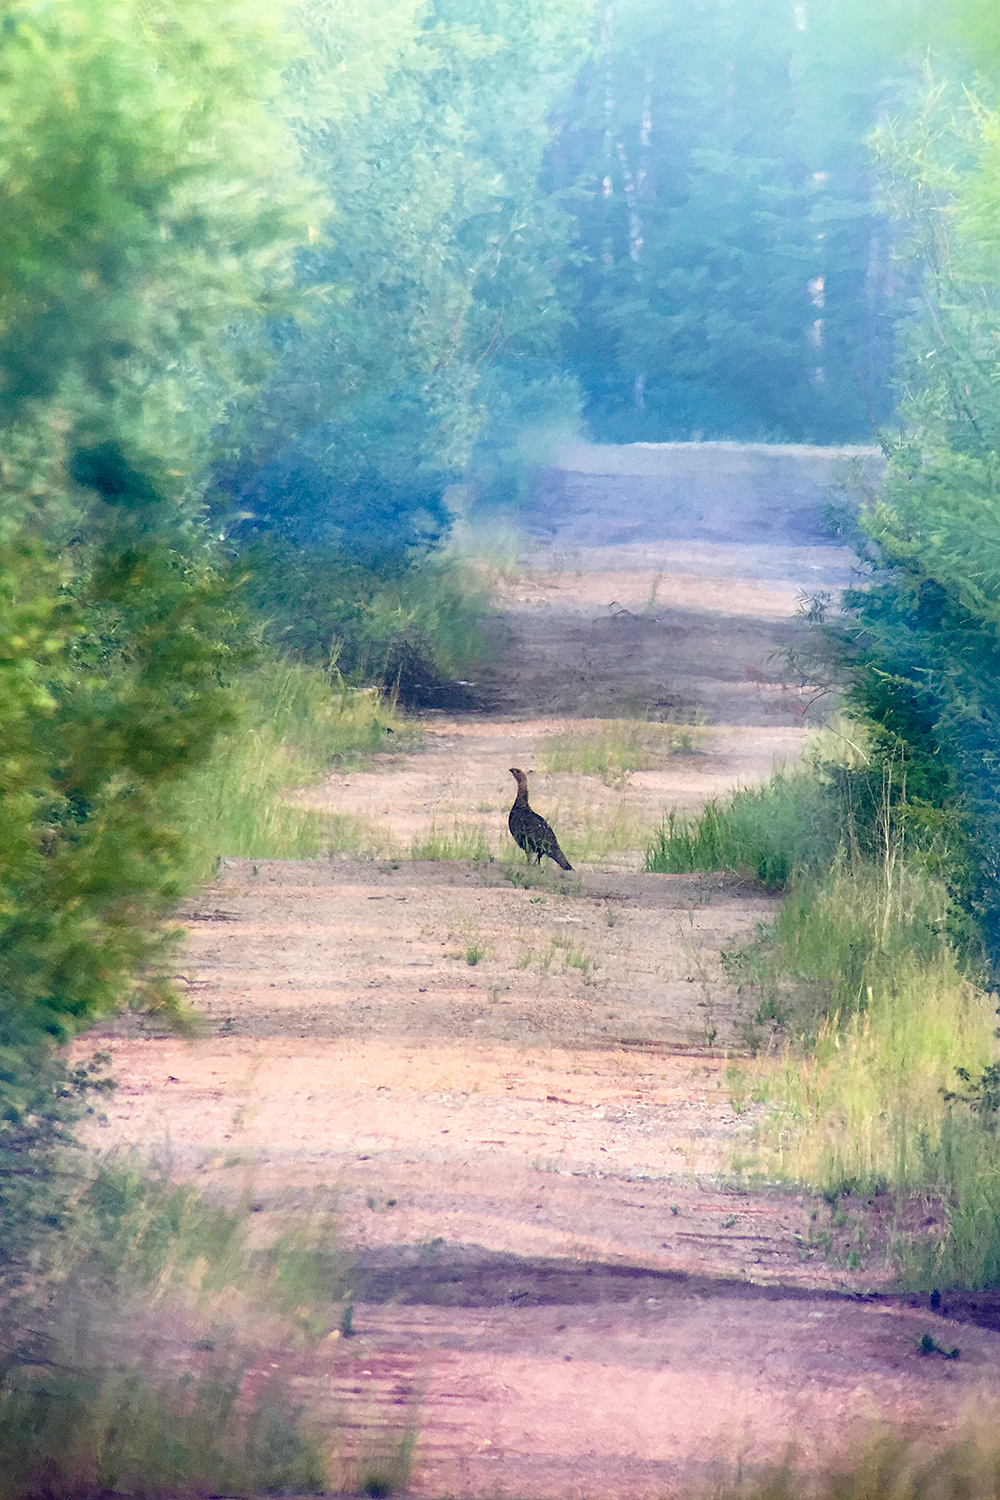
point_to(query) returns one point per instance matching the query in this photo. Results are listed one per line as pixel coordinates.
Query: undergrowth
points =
(294, 723)
(871, 1032)
(329, 610)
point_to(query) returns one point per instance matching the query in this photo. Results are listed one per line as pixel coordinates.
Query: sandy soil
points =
(513, 1087)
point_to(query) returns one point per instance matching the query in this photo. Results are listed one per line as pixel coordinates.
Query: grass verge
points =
(764, 832)
(875, 1051)
(294, 723)
(868, 1016)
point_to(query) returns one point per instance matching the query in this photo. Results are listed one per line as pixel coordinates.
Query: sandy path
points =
(514, 1088)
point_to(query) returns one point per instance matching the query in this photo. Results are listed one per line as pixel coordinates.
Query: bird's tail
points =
(561, 859)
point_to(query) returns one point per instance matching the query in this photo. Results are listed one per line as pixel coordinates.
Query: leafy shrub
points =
(118, 288)
(386, 625)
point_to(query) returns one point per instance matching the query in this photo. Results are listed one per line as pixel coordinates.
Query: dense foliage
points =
(142, 215)
(429, 337)
(924, 648)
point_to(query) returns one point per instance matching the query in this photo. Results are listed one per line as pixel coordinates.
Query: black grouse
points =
(530, 830)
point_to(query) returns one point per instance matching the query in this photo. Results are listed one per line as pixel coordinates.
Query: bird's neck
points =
(521, 800)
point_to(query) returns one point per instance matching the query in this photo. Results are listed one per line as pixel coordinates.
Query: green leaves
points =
(925, 636)
(436, 263)
(149, 209)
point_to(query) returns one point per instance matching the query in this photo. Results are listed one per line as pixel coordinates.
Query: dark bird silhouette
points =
(530, 830)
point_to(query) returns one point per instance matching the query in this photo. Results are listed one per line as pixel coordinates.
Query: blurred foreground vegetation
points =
(131, 1364)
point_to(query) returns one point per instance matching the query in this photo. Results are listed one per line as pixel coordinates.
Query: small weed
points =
(728, 1221)
(929, 1345)
(473, 953)
(386, 1469)
(526, 877)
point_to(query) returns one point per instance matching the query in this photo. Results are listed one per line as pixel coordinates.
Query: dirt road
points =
(513, 1087)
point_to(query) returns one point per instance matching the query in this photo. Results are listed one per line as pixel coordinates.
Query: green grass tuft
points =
(767, 832)
(463, 841)
(617, 748)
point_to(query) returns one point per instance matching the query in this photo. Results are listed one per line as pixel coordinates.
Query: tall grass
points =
(890, 1465)
(294, 722)
(845, 933)
(69, 1433)
(860, 1008)
(876, 1016)
(764, 832)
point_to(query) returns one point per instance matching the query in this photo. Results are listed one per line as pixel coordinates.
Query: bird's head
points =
(519, 776)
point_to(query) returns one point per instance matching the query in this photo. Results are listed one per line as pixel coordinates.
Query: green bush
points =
(147, 211)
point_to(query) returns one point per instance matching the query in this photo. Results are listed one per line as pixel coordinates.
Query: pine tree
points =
(731, 277)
